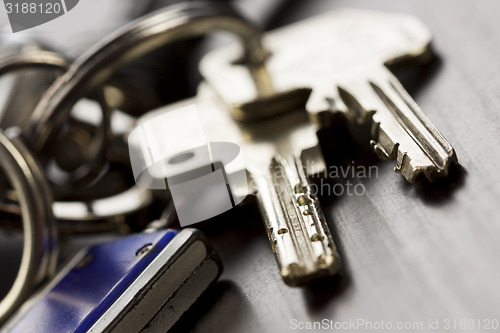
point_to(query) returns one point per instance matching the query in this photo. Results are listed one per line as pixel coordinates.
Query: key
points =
(295, 223)
(273, 151)
(338, 62)
(143, 282)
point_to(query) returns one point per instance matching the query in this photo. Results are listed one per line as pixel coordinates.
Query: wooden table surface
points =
(411, 252)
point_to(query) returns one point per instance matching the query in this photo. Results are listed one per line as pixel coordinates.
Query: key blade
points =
(295, 224)
(400, 130)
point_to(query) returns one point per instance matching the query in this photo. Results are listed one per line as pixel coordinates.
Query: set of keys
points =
(330, 67)
(267, 96)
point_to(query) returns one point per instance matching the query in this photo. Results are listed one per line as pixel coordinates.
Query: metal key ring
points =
(113, 213)
(40, 239)
(102, 215)
(132, 41)
(34, 59)
(29, 59)
(117, 212)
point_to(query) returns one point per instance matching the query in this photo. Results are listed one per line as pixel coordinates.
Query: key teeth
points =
(404, 164)
(411, 173)
(375, 131)
(384, 144)
(382, 153)
(431, 172)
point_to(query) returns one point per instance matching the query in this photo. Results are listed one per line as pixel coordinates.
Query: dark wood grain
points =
(412, 252)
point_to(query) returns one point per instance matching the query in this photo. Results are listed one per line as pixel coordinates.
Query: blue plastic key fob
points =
(141, 282)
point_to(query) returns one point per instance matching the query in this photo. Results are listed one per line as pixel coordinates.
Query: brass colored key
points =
(295, 223)
(338, 62)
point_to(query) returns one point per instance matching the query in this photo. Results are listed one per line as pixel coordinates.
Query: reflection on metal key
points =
(338, 62)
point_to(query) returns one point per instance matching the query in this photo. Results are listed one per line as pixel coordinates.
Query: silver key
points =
(273, 152)
(337, 62)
